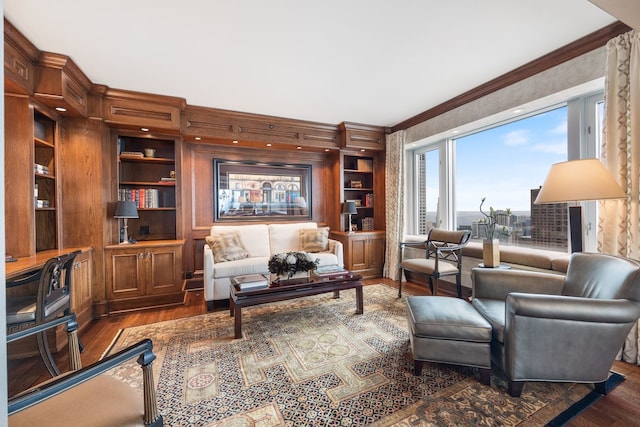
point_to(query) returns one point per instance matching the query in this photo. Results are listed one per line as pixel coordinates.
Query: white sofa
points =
(260, 241)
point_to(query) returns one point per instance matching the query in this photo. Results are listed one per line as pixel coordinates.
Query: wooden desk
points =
(30, 264)
(81, 293)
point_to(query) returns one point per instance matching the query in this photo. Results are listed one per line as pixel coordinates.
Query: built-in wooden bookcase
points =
(45, 183)
(358, 186)
(147, 175)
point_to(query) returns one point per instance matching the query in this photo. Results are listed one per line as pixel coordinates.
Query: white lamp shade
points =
(578, 180)
(126, 209)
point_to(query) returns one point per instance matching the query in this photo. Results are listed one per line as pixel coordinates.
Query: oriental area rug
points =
(314, 362)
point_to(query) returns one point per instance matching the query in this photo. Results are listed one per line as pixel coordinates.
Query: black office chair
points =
(443, 257)
(51, 301)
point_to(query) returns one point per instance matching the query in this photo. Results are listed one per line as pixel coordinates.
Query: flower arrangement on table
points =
(490, 221)
(290, 263)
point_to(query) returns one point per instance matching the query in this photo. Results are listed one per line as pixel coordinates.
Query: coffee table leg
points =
(336, 294)
(231, 306)
(238, 323)
(360, 308)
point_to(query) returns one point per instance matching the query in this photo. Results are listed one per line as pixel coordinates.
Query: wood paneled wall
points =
(198, 188)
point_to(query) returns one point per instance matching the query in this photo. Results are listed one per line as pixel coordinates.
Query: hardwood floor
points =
(621, 407)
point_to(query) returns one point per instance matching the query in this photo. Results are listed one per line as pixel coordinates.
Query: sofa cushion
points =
(286, 237)
(241, 267)
(254, 237)
(226, 247)
(314, 239)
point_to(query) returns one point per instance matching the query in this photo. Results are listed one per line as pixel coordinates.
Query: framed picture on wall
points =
(251, 191)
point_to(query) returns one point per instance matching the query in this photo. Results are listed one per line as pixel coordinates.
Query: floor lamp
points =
(349, 208)
(576, 181)
(125, 210)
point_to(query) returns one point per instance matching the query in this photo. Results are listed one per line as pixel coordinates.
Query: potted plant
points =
(491, 242)
(290, 265)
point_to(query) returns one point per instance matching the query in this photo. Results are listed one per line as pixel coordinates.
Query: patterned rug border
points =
(446, 394)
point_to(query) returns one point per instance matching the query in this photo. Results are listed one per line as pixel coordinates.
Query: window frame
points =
(583, 140)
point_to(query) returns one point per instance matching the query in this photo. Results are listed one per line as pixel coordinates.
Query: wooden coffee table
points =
(280, 292)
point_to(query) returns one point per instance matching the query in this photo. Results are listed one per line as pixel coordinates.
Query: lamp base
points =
(575, 228)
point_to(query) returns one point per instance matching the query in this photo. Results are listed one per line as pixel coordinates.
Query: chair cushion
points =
(427, 266)
(21, 309)
(446, 318)
(314, 239)
(101, 401)
(226, 247)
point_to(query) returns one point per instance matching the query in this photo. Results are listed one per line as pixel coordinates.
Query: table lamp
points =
(575, 181)
(349, 208)
(125, 210)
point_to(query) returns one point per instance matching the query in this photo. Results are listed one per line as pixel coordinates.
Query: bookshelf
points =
(45, 182)
(358, 186)
(147, 176)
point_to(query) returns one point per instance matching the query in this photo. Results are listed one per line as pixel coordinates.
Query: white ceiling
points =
(368, 61)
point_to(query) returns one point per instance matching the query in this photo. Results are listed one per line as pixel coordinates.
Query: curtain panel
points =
(395, 201)
(619, 222)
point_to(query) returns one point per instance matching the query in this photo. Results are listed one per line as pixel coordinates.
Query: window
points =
(506, 163)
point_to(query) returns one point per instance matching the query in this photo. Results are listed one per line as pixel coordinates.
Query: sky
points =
(504, 163)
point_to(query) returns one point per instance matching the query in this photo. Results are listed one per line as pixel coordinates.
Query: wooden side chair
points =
(88, 397)
(443, 257)
(51, 300)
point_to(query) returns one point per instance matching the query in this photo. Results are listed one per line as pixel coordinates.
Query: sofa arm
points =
(493, 283)
(208, 262)
(336, 248)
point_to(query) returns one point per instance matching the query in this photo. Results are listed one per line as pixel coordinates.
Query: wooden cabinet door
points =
(163, 270)
(126, 272)
(81, 293)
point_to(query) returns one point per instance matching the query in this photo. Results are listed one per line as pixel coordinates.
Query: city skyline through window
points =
(513, 160)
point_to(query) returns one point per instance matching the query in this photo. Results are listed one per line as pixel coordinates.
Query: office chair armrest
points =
(417, 244)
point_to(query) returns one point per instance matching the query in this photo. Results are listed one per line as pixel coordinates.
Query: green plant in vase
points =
(491, 243)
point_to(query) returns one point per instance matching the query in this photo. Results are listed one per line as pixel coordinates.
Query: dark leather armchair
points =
(557, 328)
(443, 257)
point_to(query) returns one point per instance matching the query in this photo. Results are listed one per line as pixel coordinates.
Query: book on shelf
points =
(251, 281)
(134, 154)
(144, 198)
(329, 272)
(166, 179)
(41, 169)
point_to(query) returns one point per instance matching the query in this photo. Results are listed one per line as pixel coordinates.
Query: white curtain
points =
(619, 222)
(395, 201)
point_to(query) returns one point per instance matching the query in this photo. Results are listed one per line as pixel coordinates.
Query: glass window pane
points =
(428, 190)
(507, 164)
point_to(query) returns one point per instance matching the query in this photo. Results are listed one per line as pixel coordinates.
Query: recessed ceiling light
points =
(298, 148)
(455, 131)
(326, 149)
(234, 141)
(517, 110)
(269, 145)
(144, 129)
(197, 138)
(362, 150)
(61, 109)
